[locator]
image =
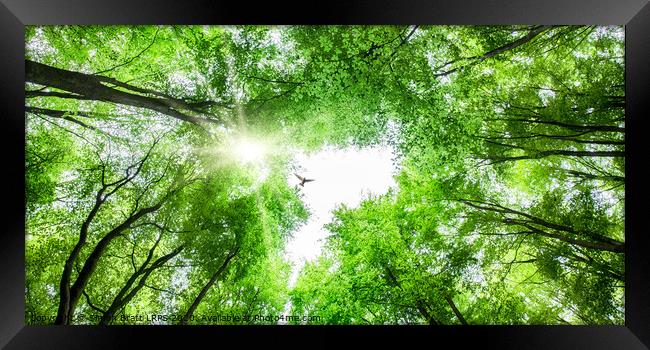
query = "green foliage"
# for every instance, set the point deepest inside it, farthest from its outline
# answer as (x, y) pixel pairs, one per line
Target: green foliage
(509, 205)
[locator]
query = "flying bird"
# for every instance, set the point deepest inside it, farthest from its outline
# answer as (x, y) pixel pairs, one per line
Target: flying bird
(303, 179)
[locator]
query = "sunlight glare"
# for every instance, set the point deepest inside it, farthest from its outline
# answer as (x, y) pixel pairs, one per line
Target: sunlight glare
(248, 151)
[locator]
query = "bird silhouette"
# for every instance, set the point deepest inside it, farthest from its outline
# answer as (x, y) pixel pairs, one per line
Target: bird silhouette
(303, 179)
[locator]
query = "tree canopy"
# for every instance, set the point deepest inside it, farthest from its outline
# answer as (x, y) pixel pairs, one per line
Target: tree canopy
(157, 160)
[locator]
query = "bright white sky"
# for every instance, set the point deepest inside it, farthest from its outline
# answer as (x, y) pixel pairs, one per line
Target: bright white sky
(341, 176)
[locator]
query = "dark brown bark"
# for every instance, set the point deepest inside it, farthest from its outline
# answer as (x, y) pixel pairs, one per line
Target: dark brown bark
(93, 87)
(190, 311)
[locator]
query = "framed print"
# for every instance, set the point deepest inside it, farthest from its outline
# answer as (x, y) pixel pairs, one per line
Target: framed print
(467, 172)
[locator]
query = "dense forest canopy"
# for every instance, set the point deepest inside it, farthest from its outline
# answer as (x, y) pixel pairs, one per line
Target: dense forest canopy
(158, 159)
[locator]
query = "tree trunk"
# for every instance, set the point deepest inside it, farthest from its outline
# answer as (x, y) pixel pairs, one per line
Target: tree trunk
(543, 154)
(506, 47)
(615, 248)
(63, 316)
(122, 298)
(188, 315)
(575, 127)
(419, 304)
(460, 317)
(92, 87)
(69, 302)
(66, 115)
(604, 243)
(589, 176)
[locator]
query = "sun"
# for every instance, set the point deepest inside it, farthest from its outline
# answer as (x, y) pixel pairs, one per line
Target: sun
(249, 151)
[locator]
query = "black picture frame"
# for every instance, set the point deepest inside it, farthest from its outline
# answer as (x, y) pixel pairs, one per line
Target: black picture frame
(15, 14)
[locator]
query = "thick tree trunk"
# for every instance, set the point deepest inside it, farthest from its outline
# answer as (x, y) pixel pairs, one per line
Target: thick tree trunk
(93, 87)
